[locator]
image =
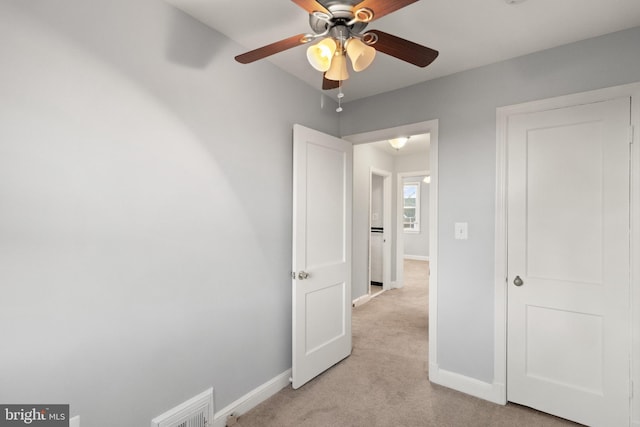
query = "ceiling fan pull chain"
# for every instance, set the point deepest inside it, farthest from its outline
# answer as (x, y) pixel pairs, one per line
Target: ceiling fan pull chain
(340, 96)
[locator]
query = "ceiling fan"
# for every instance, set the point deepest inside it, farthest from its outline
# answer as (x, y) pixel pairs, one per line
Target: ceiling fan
(340, 27)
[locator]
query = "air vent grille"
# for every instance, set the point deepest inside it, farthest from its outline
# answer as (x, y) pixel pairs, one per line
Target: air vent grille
(197, 420)
(196, 412)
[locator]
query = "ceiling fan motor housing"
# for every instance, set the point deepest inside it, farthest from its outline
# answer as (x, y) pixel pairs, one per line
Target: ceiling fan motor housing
(341, 14)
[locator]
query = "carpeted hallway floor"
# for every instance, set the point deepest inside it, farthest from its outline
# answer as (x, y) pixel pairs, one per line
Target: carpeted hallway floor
(385, 381)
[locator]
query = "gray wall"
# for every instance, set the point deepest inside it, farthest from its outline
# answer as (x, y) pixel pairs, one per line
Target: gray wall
(145, 209)
(465, 105)
(417, 244)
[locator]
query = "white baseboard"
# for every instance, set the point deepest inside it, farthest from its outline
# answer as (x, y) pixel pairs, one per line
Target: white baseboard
(417, 257)
(75, 421)
(495, 393)
(360, 300)
(252, 399)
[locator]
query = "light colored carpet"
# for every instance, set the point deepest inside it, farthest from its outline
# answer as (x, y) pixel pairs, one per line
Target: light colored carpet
(385, 381)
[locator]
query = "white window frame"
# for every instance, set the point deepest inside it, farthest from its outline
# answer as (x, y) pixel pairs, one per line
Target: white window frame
(416, 224)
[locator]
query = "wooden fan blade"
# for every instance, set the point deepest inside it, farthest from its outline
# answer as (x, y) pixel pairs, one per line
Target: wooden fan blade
(270, 49)
(383, 7)
(405, 50)
(311, 6)
(329, 84)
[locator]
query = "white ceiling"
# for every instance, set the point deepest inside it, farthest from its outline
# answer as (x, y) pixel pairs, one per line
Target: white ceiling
(467, 33)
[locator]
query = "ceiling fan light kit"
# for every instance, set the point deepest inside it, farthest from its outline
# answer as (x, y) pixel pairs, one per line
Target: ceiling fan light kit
(340, 27)
(338, 70)
(360, 54)
(320, 54)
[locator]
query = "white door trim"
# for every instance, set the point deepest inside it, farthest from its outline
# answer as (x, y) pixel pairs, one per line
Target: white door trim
(431, 127)
(500, 285)
(386, 224)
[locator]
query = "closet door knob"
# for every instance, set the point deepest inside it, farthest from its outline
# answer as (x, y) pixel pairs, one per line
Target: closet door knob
(518, 281)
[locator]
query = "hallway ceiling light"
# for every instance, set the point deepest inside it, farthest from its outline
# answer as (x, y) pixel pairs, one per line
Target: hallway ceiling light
(398, 143)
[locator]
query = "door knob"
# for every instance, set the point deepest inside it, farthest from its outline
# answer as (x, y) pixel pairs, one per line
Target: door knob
(518, 281)
(303, 275)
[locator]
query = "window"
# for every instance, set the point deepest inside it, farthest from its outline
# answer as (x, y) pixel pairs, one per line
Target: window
(411, 207)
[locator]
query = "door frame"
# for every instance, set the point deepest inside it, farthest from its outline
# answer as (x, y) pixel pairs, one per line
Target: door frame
(500, 284)
(386, 224)
(430, 127)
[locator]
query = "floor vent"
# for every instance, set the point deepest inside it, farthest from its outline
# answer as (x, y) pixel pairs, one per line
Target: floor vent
(195, 412)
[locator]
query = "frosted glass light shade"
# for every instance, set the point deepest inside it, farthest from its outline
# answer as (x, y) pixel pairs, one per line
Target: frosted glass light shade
(321, 54)
(338, 70)
(398, 143)
(360, 54)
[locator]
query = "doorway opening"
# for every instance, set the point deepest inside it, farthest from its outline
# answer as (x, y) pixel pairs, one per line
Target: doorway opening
(380, 235)
(425, 164)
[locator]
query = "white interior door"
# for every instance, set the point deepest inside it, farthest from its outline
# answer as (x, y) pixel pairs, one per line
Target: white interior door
(568, 350)
(322, 190)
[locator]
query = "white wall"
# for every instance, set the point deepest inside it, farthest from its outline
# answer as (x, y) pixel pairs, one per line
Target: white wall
(377, 201)
(465, 106)
(412, 162)
(145, 209)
